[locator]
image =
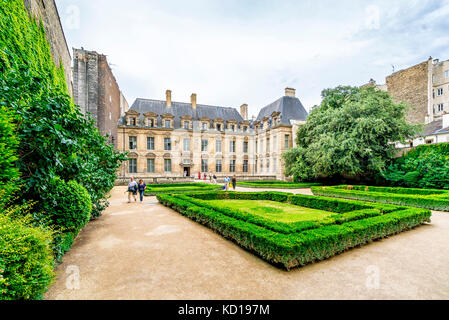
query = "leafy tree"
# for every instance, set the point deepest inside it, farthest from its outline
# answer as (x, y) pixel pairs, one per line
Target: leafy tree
(349, 134)
(427, 166)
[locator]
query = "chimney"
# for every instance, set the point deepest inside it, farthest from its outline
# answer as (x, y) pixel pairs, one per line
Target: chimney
(244, 112)
(445, 120)
(193, 100)
(290, 92)
(168, 98)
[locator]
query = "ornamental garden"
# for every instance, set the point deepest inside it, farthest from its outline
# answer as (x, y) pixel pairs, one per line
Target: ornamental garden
(56, 172)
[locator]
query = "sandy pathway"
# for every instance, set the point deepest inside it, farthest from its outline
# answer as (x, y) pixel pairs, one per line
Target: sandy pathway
(146, 251)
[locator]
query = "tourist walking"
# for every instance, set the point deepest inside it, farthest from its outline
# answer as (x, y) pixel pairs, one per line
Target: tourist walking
(199, 175)
(234, 182)
(214, 179)
(132, 190)
(142, 186)
(226, 181)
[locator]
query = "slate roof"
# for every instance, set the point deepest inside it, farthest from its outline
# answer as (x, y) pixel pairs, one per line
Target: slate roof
(289, 107)
(432, 128)
(180, 109)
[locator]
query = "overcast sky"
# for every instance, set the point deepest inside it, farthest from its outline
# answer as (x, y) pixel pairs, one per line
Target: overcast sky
(232, 52)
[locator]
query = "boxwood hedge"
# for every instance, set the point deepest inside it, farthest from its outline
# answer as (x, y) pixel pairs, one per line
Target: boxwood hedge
(277, 184)
(422, 198)
(155, 189)
(296, 244)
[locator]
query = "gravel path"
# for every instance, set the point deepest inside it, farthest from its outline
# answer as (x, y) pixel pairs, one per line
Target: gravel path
(147, 251)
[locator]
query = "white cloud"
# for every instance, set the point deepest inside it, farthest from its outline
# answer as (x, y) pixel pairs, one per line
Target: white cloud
(234, 52)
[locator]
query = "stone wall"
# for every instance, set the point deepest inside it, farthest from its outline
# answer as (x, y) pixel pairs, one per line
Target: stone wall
(411, 86)
(97, 92)
(47, 11)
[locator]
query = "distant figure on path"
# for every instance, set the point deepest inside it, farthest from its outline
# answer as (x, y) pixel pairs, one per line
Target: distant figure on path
(214, 179)
(199, 175)
(205, 176)
(142, 186)
(132, 190)
(226, 181)
(234, 182)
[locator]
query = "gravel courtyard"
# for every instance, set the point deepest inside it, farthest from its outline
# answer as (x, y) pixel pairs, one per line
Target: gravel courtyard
(147, 251)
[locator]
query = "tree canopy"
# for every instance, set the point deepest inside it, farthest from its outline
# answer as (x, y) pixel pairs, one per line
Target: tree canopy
(349, 134)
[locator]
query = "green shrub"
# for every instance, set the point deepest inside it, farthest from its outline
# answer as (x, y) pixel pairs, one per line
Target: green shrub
(26, 259)
(68, 204)
(155, 189)
(421, 198)
(277, 184)
(426, 166)
(294, 247)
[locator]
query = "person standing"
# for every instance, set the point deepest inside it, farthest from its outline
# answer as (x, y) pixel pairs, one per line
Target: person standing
(234, 182)
(132, 190)
(199, 175)
(142, 186)
(226, 180)
(214, 179)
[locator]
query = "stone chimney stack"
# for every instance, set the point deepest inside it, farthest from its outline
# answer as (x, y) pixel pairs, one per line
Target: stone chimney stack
(193, 100)
(290, 92)
(244, 112)
(168, 98)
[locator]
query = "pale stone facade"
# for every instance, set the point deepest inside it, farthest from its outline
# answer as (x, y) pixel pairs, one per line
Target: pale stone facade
(168, 139)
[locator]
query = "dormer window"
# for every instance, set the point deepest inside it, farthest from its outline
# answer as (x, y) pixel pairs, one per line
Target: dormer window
(245, 129)
(219, 127)
(204, 125)
(151, 123)
(186, 125)
(167, 124)
(233, 127)
(133, 121)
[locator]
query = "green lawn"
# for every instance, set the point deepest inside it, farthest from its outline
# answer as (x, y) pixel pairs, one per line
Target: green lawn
(275, 211)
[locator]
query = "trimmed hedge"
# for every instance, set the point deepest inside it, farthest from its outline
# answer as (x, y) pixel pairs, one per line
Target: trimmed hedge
(277, 184)
(433, 199)
(26, 259)
(155, 189)
(354, 223)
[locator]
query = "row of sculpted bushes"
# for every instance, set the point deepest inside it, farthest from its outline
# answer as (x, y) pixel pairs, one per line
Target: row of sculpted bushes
(53, 160)
(298, 249)
(429, 199)
(426, 166)
(156, 189)
(278, 184)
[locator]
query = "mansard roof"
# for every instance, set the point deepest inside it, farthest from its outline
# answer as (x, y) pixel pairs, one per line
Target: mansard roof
(180, 109)
(290, 108)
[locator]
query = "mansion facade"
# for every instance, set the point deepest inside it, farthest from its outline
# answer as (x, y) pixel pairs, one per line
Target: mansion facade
(166, 139)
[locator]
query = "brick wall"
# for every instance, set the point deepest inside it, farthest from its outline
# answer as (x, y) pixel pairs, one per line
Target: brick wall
(411, 86)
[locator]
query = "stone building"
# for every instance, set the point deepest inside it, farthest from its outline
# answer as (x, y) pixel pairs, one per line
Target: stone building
(425, 87)
(167, 139)
(96, 91)
(47, 11)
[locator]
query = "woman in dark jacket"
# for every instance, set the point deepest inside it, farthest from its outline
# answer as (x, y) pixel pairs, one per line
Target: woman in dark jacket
(141, 187)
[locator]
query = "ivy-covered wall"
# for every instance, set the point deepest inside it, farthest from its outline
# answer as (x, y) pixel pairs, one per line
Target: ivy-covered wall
(23, 44)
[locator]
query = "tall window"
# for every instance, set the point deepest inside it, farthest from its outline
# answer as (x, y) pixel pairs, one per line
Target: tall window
(232, 166)
(167, 123)
(245, 166)
(204, 144)
(440, 107)
(287, 141)
(150, 143)
(167, 165)
(275, 143)
(268, 144)
(232, 146)
(218, 166)
(275, 165)
(186, 145)
(132, 165)
(255, 167)
(257, 146)
(150, 165)
(218, 146)
(440, 92)
(446, 74)
(245, 146)
(186, 125)
(167, 144)
(204, 165)
(268, 165)
(132, 143)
